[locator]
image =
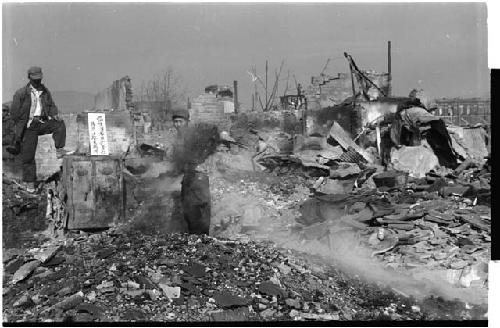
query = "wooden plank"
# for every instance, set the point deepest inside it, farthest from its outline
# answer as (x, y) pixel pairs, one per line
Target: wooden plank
(108, 191)
(82, 194)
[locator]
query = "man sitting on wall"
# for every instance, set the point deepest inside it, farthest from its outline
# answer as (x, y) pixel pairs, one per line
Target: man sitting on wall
(34, 113)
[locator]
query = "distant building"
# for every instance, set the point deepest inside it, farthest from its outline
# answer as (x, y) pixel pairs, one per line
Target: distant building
(463, 112)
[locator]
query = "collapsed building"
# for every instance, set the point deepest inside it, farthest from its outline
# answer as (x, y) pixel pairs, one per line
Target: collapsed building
(358, 164)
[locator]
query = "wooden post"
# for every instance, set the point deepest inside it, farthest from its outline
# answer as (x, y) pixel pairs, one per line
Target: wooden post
(266, 86)
(352, 78)
(378, 138)
(389, 68)
(353, 88)
(235, 98)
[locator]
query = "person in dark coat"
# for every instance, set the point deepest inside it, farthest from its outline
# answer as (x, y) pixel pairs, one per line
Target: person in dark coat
(191, 148)
(34, 113)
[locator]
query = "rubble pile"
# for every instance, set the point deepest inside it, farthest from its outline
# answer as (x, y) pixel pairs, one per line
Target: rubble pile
(414, 217)
(23, 214)
(116, 277)
(438, 224)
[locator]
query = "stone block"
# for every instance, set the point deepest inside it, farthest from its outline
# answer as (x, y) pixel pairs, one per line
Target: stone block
(417, 161)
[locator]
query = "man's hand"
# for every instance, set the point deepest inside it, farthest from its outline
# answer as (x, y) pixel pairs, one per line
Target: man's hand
(55, 117)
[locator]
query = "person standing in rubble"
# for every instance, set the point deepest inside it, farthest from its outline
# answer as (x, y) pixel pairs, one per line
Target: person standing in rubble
(195, 188)
(34, 113)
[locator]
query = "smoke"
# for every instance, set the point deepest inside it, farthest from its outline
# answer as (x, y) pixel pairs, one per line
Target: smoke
(198, 143)
(251, 210)
(344, 251)
(340, 248)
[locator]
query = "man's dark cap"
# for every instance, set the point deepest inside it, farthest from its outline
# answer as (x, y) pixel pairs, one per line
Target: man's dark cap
(35, 73)
(180, 113)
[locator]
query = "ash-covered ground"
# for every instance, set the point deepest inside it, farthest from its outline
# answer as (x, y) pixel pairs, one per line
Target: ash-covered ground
(259, 264)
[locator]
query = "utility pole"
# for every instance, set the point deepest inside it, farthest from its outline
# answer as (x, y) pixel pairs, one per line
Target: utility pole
(266, 86)
(235, 97)
(389, 91)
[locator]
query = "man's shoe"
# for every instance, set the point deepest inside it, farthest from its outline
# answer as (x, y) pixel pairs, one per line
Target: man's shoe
(61, 152)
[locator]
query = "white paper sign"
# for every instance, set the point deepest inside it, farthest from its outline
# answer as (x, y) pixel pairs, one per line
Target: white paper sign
(97, 133)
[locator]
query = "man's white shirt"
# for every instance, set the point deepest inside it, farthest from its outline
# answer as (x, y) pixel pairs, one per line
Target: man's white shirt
(36, 104)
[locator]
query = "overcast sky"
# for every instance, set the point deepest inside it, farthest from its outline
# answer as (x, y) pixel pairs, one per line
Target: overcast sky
(441, 48)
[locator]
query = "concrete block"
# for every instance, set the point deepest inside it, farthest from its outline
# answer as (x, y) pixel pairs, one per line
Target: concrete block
(417, 161)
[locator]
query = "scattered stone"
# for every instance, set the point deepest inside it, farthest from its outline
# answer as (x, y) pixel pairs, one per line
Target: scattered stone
(24, 271)
(91, 296)
(14, 265)
(268, 313)
(196, 269)
(24, 302)
(294, 303)
(239, 314)
(390, 179)
(47, 254)
(70, 302)
(269, 288)
(417, 160)
(228, 300)
(105, 253)
(170, 292)
(459, 265)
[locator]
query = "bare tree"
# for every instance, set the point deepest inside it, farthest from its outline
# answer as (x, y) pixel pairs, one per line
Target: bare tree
(166, 86)
(269, 97)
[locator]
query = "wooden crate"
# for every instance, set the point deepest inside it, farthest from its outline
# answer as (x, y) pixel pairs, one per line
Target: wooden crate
(94, 189)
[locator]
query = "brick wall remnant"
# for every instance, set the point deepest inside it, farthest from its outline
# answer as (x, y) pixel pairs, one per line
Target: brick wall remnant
(117, 97)
(329, 90)
(208, 108)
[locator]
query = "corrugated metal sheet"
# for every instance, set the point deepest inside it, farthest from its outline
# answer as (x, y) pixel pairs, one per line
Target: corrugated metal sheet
(352, 156)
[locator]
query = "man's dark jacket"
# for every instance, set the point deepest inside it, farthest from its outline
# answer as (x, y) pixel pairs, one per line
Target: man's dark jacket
(21, 105)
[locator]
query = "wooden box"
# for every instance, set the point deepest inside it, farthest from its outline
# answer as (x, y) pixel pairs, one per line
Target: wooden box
(94, 189)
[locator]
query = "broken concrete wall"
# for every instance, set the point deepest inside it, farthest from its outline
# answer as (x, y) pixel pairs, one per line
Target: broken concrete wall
(117, 97)
(120, 132)
(333, 90)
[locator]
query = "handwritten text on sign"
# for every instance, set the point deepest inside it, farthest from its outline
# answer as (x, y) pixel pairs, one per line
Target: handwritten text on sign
(97, 134)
